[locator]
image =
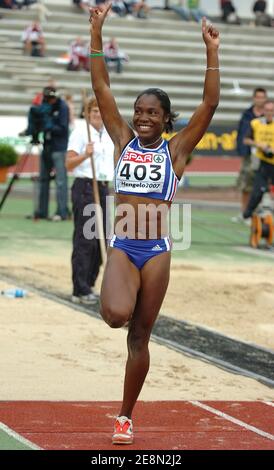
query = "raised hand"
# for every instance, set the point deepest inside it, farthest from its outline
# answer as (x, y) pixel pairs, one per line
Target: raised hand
(210, 35)
(98, 15)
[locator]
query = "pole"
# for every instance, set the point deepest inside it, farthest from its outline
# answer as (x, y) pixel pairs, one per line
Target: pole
(99, 218)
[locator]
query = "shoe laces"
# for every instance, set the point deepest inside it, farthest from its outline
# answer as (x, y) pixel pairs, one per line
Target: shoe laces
(123, 424)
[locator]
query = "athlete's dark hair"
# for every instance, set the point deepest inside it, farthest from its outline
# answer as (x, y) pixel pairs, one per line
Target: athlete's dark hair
(165, 103)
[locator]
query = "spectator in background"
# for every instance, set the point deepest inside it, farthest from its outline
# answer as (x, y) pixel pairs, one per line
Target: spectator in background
(113, 55)
(38, 98)
(86, 257)
(196, 12)
(36, 101)
(16, 4)
(189, 10)
(9, 4)
(118, 7)
(229, 14)
(259, 7)
(25, 3)
(261, 17)
(79, 55)
(261, 138)
(82, 5)
(140, 9)
(55, 126)
(246, 176)
(129, 4)
(34, 43)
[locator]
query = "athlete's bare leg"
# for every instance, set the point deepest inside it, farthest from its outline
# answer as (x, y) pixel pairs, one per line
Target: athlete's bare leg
(120, 286)
(154, 282)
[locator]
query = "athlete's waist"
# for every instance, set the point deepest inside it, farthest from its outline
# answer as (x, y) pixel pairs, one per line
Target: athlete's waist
(140, 241)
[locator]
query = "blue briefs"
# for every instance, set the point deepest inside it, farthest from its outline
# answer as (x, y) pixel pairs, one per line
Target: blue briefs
(140, 251)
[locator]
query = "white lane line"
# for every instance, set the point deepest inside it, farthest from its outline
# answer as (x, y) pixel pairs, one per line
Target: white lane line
(233, 420)
(21, 439)
(269, 403)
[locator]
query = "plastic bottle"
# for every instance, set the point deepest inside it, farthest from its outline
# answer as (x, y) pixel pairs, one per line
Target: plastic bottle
(14, 293)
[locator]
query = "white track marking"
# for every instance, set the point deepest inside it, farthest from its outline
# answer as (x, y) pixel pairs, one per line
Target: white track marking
(233, 420)
(21, 439)
(269, 403)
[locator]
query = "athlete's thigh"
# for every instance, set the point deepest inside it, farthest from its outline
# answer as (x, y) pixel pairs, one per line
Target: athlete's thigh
(154, 283)
(121, 282)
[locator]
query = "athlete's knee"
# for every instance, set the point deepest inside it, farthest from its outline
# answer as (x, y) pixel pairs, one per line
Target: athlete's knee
(138, 341)
(115, 318)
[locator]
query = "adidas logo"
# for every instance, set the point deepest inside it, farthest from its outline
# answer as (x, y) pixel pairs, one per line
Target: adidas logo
(156, 248)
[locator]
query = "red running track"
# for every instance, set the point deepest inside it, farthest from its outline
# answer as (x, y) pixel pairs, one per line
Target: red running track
(163, 425)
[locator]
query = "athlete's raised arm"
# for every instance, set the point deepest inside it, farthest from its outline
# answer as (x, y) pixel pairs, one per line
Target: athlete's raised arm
(117, 127)
(185, 141)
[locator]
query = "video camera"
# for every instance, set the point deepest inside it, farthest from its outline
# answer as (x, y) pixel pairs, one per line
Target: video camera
(40, 117)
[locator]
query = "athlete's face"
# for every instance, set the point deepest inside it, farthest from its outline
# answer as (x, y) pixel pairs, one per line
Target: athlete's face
(149, 118)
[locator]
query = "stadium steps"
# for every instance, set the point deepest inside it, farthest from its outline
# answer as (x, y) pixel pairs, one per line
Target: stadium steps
(164, 52)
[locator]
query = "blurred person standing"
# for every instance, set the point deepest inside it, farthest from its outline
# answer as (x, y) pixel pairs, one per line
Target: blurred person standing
(53, 115)
(86, 258)
(261, 137)
(246, 176)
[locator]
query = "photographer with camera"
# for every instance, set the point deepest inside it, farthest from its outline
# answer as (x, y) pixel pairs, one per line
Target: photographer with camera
(261, 138)
(51, 118)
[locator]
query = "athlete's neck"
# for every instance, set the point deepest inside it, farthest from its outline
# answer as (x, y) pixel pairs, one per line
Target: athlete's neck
(149, 144)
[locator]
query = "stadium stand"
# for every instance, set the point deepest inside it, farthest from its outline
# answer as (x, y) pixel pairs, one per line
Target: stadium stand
(163, 51)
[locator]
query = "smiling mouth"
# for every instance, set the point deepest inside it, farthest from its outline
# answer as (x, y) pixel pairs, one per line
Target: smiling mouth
(144, 128)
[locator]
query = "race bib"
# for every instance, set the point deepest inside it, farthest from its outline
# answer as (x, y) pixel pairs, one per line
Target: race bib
(141, 172)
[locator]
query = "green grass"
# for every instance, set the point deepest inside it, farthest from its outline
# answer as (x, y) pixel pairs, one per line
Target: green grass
(194, 181)
(19, 234)
(214, 236)
(204, 180)
(10, 443)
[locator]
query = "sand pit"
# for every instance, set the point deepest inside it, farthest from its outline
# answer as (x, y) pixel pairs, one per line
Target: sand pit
(52, 352)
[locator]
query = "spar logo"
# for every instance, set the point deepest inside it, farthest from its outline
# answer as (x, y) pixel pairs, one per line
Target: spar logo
(158, 158)
(131, 156)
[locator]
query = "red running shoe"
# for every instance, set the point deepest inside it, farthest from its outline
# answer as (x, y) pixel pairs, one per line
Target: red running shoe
(123, 431)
